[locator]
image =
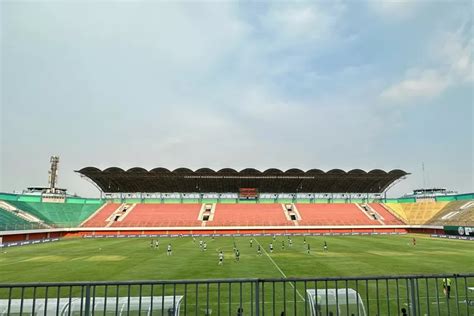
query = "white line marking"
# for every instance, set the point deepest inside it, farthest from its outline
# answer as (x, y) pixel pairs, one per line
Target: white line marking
(282, 273)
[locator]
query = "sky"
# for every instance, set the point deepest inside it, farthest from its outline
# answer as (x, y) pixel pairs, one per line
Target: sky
(325, 85)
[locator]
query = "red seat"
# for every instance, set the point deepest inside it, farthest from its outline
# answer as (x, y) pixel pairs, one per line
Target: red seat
(163, 215)
(249, 215)
(388, 218)
(100, 219)
(332, 215)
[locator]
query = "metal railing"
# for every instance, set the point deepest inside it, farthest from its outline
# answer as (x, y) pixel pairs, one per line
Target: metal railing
(382, 295)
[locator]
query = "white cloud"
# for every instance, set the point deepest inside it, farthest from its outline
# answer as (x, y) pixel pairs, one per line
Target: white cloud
(297, 22)
(187, 84)
(451, 59)
(394, 10)
(303, 22)
(417, 83)
(454, 49)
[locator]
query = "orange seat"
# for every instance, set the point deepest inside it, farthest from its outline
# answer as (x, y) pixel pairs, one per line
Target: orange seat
(332, 215)
(249, 215)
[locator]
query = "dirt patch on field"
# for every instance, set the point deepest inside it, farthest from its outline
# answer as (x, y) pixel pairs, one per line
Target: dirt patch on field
(47, 259)
(105, 258)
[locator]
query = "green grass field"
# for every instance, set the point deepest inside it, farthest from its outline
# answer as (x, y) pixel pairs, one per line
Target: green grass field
(134, 259)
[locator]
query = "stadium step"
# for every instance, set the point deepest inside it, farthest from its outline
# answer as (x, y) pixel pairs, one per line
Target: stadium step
(291, 212)
(120, 214)
(206, 213)
(22, 214)
(370, 213)
(93, 214)
(467, 205)
(392, 212)
(295, 210)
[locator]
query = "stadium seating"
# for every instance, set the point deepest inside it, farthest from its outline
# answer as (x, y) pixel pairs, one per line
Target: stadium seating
(333, 215)
(10, 221)
(58, 214)
(135, 214)
(397, 208)
(161, 215)
(417, 213)
(249, 215)
(100, 218)
(388, 217)
(457, 213)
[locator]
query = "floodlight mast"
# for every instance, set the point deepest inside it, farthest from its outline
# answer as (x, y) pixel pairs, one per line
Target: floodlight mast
(53, 173)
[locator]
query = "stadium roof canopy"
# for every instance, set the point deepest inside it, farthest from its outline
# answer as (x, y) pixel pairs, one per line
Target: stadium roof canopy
(205, 180)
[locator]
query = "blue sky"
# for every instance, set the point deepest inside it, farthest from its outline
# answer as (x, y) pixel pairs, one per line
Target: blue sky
(226, 84)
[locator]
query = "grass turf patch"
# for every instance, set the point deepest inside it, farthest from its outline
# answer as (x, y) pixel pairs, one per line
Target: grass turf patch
(134, 259)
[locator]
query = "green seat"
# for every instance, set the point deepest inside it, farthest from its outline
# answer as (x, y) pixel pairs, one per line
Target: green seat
(58, 214)
(9, 221)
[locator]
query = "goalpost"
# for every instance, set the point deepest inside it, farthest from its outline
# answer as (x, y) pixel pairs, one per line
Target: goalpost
(147, 305)
(343, 302)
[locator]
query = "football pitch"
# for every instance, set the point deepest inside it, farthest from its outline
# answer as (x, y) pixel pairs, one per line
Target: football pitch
(124, 259)
(115, 259)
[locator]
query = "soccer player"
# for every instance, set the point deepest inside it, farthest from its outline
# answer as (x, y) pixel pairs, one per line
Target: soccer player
(157, 244)
(169, 251)
(237, 255)
(251, 242)
(271, 248)
(259, 251)
(304, 240)
(221, 258)
(447, 287)
(325, 247)
(204, 246)
(200, 244)
(152, 243)
(282, 244)
(414, 241)
(308, 248)
(290, 242)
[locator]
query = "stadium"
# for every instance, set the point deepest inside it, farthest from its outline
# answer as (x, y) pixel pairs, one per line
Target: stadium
(211, 242)
(239, 158)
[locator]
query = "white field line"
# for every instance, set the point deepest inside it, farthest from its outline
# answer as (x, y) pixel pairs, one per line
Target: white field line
(278, 268)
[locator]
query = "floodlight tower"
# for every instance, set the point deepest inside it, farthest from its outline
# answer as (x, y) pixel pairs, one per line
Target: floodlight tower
(53, 173)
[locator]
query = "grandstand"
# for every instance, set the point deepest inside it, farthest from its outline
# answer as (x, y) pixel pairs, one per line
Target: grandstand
(20, 215)
(387, 217)
(100, 218)
(233, 206)
(157, 215)
(207, 200)
(454, 213)
(57, 214)
(12, 220)
(334, 215)
(417, 213)
(249, 215)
